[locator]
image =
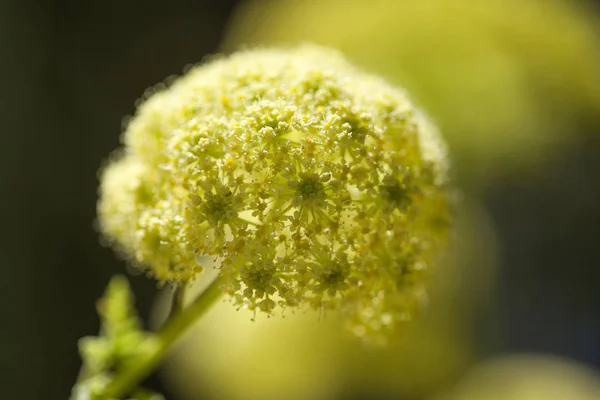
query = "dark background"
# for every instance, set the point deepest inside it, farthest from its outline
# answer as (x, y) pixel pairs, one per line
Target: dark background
(71, 70)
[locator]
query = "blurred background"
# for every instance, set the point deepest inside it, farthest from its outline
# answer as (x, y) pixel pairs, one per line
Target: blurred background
(514, 86)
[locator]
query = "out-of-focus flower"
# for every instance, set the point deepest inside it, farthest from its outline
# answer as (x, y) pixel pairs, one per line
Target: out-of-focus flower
(528, 377)
(308, 181)
(506, 80)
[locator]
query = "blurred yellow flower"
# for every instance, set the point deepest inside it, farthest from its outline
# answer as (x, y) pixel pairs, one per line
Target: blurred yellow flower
(528, 377)
(505, 80)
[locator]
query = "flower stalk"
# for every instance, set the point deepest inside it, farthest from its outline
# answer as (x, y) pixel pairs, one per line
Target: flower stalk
(174, 328)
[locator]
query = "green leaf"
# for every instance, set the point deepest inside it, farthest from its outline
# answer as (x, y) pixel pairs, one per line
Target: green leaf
(121, 343)
(93, 389)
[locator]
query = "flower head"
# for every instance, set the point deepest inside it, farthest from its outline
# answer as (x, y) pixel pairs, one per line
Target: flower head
(312, 182)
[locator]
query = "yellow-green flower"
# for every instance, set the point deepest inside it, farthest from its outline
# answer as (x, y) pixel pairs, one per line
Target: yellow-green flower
(311, 182)
(509, 82)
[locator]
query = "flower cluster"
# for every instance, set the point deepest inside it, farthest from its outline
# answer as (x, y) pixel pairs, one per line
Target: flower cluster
(311, 182)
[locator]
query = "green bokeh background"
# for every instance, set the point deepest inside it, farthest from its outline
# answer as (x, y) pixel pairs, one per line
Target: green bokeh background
(70, 72)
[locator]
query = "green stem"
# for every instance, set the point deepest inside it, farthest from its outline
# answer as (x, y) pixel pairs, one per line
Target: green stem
(175, 327)
(178, 300)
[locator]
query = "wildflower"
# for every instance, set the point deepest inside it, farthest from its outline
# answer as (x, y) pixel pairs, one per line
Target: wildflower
(310, 181)
(479, 79)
